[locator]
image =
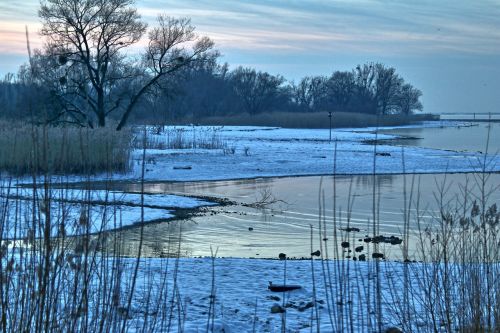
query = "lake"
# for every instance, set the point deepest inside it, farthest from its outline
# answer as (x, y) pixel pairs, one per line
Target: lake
(281, 223)
(470, 138)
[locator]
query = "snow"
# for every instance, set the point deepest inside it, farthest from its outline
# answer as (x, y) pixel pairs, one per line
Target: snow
(83, 211)
(242, 298)
(275, 152)
(117, 197)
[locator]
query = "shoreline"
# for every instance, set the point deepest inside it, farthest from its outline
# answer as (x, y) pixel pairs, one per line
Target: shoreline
(134, 181)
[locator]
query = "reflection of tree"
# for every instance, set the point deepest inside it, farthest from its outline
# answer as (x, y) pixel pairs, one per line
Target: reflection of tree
(265, 199)
(163, 239)
(366, 181)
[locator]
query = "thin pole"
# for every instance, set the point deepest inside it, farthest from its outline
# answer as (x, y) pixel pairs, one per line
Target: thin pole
(330, 117)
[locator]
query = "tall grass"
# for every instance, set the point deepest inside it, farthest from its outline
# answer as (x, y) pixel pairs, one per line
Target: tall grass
(25, 149)
(182, 137)
(444, 280)
(56, 275)
(313, 120)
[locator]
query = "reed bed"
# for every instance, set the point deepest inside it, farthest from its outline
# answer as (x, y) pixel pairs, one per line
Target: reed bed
(182, 137)
(25, 149)
(313, 120)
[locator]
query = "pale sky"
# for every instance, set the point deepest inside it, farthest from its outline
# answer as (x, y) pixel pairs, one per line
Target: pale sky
(448, 49)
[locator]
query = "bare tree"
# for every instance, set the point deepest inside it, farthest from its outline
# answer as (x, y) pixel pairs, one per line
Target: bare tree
(310, 92)
(257, 90)
(88, 38)
(365, 78)
(387, 86)
(166, 53)
(408, 99)
(341, 88)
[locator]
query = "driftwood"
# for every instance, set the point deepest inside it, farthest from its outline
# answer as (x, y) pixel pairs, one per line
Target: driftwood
(187, 167)
(282, 287)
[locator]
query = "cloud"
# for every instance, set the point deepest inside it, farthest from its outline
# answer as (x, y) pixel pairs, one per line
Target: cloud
(367, 26)
(370, 27)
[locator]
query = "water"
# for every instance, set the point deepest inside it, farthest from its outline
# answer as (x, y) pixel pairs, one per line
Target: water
(284, 226)
(471, 116)
(241, 230)
(459, 138)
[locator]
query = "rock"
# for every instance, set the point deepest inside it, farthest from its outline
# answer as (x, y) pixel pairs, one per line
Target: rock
(183, 167)
(350, 229)
(316, 253)
(362, 257)
(282, 256)
(306, 306)
(282, 287)
(276, 308)
(396, 240)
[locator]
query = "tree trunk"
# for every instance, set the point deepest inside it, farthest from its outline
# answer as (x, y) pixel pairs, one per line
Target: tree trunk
(101, 114)
(134, 100)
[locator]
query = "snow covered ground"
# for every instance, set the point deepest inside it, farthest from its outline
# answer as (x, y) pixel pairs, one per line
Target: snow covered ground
(91, 211)
(268, 152)
(343, 292)
(342, 299)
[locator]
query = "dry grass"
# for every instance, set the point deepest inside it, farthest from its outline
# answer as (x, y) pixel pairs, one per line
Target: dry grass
(171, 137)
(312, 120)
(28, 149)
(52, 282)
(447, 277)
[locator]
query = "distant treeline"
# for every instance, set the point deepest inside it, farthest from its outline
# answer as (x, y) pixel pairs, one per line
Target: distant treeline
(209, 89)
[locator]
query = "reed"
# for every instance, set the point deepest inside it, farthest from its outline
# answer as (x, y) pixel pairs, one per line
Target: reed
(25, 149)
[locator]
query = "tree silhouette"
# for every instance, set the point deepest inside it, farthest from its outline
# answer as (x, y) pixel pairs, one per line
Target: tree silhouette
(88, 38)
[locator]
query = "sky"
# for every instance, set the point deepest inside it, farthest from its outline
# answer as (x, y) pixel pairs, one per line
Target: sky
(448, 49)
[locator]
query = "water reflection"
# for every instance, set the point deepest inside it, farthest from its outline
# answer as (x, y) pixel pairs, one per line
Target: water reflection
(241, 230)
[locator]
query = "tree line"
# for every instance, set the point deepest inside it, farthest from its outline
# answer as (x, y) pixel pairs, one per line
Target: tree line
(84, 77)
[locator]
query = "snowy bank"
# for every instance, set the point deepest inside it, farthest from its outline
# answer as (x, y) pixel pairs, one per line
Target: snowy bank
(251, 152)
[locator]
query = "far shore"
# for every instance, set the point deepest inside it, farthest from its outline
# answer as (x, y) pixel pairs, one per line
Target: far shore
(312, 120)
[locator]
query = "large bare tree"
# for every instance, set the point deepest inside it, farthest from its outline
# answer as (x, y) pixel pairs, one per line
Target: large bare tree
(408, 99)
(341, 87)
(88, 39)
(257, 90)
(310, 92)
(387, 86)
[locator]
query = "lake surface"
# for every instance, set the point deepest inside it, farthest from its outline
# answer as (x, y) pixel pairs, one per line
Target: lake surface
(284, 226)
(458, 138)
(243, 230)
